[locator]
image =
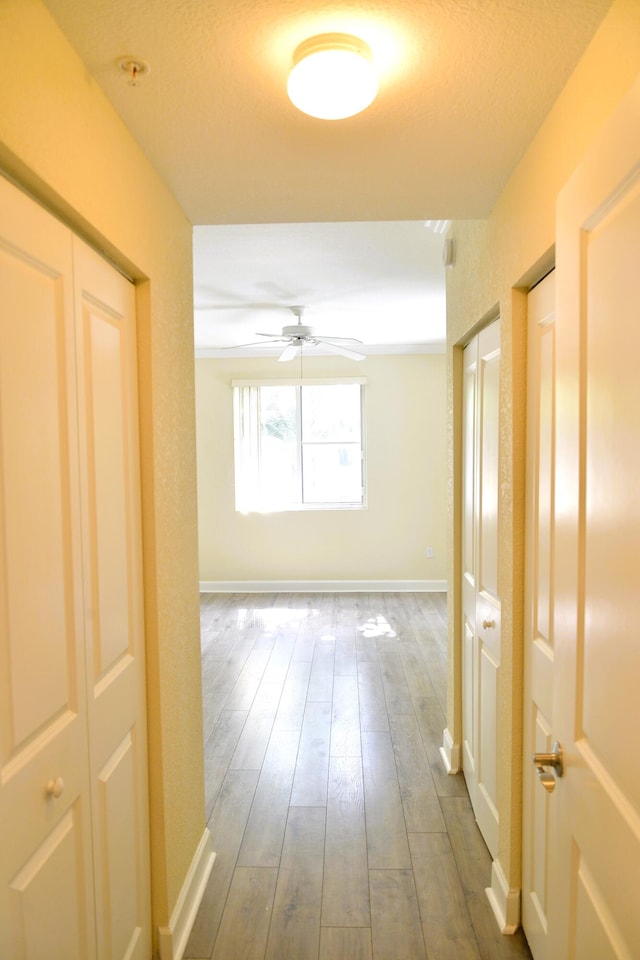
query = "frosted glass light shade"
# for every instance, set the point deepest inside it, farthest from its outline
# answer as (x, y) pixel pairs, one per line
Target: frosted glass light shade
(332, 77)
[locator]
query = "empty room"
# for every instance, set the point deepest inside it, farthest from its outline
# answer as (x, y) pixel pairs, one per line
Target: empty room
(318, 446)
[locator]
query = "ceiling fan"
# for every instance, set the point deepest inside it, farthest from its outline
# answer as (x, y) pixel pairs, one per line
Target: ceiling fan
(298, 335)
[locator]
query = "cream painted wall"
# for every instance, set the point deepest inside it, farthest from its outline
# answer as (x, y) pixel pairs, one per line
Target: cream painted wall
(407, 487)
(60, 138)
(496, 260)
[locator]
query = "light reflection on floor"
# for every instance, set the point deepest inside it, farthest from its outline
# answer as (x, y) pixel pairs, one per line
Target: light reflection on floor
(271, 617)
(377, 627)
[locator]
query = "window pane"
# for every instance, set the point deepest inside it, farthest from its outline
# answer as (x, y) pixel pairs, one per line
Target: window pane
(331, 473)
(331, 412)
(279, 483)
(273, 445)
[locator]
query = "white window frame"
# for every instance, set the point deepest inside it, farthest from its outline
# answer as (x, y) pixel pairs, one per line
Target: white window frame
(246, 440)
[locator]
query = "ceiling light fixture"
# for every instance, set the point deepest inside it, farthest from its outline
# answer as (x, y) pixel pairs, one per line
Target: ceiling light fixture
(333, 76)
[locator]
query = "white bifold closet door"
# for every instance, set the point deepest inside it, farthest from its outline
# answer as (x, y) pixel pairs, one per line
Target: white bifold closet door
(480, 599)
(74, 858)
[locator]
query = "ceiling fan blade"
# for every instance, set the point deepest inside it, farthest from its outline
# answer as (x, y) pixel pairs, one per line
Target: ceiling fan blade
(289, 352)
(343, 351)
(341, 339)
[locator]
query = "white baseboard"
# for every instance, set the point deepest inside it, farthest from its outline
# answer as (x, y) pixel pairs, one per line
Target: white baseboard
(505, 902)
(323, 586)
(172, 940)
(450, 754)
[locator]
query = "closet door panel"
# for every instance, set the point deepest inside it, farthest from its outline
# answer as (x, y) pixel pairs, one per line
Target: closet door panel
(480, 602)
(117, 815)
(107, 490)
(45, 911)
(44, 786)
(470, 663)
(36, 497)
(105, 315)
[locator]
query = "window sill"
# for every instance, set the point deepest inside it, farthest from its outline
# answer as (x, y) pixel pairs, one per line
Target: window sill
(305, 508)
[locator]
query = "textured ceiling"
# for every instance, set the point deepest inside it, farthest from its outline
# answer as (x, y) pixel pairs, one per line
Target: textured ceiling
(464, 85)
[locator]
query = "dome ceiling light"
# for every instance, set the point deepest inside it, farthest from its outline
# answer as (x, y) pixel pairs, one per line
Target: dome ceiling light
(333, 76)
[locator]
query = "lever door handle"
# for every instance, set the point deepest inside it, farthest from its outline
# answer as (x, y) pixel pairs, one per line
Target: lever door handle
(555, 759)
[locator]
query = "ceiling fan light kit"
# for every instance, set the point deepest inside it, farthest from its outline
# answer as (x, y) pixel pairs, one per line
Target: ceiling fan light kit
(333, 76)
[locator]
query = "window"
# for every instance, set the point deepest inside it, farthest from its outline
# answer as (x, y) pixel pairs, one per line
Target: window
(298, 446)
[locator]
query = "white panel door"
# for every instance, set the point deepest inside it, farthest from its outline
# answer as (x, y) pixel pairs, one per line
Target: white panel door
(74, 858)
(108, 417)
(594, 886)
(46, 894)
(538, 638)
(469, 563)
(481, 604)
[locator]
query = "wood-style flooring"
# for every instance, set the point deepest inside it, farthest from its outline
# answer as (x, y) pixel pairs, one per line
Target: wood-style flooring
(338, 834)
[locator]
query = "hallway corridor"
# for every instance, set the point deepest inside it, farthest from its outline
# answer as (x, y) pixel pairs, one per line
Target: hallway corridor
(338, 834)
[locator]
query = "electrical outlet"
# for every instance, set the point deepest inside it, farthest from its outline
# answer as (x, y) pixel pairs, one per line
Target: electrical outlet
(429, 553)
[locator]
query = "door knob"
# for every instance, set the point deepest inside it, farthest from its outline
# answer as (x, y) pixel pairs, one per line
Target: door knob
(55, 787)
(488, 624)
(555, 760)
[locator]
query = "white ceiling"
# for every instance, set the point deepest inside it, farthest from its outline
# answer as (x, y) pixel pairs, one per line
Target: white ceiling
(381, 283)
(464, 85)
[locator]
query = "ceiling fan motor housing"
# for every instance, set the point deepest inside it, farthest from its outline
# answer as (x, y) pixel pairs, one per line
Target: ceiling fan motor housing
(297, 330)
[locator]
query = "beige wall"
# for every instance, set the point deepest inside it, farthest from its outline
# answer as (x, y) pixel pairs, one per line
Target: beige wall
(406, 467)
(60, 138)
(496, 261)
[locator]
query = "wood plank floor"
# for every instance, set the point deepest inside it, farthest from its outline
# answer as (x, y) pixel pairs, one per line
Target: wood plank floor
(338, 834)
